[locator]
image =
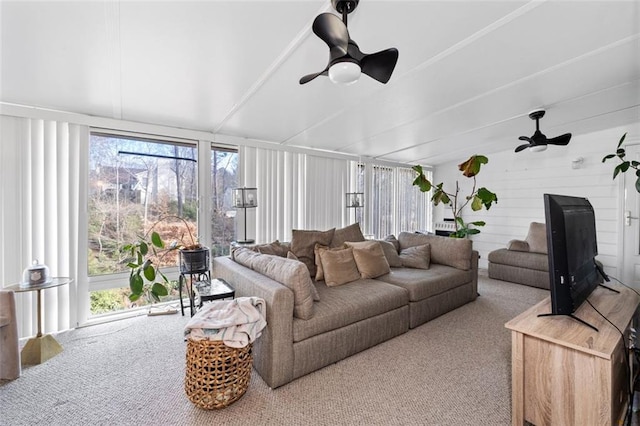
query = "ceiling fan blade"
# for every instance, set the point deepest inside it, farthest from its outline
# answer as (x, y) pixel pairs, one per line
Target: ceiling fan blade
(380, 65)
(560, 140)
(526, 138)
(521, 147)
(307, 78)
(332, 31)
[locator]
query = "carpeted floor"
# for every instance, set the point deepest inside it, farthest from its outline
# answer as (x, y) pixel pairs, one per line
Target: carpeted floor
(454, 370)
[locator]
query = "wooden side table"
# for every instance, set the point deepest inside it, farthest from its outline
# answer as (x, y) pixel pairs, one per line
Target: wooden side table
(42, 347)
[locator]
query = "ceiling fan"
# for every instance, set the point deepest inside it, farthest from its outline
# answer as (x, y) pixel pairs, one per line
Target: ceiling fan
(538, 142)
(346, 61)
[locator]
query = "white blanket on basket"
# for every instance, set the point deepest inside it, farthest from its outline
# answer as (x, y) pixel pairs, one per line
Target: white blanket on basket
(236, 322)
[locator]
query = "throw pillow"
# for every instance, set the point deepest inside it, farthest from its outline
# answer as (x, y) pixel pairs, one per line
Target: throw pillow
(275, 248)
(392, 239)
(455, 252)
(348, 233)
(318, 248)
(390, 253)
(293, 275)
(418, 257)
(314, 290)
(339, 267)
(370, 258)
(303, 243)
(537, 237)
(518, 245)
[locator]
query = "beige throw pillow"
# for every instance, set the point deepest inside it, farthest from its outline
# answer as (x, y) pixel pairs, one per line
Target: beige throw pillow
(319, 248)
(537, 238)
(275, 248)
(391, 254)
(339, 267)
(370, 258)
(393, 240)
(418, 257)
(348, 233)
(303, 243)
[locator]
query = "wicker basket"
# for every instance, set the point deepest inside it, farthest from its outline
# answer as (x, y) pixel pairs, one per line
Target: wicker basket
(216, 374)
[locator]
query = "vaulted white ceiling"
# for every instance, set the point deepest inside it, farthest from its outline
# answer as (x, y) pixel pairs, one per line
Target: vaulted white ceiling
(468, 71)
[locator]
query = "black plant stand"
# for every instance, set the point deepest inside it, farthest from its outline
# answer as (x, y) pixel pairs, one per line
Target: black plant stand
(194, 268)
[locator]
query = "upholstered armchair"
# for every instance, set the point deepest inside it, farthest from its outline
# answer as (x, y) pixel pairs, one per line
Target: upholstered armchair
(523, 261)
(9, 348)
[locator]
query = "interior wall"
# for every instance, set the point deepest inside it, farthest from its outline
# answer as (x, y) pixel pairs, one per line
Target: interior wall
(520, 180)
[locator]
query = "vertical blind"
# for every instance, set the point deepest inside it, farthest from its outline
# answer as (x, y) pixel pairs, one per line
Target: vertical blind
(39, 218)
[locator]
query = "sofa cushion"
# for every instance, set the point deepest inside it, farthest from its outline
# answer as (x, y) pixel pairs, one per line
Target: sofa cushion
(244, 256)
(448, 251)
(390, 253)
(293, 275)
(527, 260)
(339, 266)
(317, 250)
(417, 257)
(537, 238)
(348, 233)
(275, 248)
(303, 242)
(423, 284)
(370, 258)
(314, 292)
(349, 304)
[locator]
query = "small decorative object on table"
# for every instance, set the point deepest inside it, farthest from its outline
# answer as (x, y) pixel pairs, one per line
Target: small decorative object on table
(219, 359)
(35, 274)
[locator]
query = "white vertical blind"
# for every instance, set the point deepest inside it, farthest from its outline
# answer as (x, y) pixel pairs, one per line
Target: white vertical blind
(295, 191)
(40, 207)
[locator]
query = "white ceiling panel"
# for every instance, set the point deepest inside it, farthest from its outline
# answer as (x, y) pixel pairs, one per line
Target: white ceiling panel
(468, 73)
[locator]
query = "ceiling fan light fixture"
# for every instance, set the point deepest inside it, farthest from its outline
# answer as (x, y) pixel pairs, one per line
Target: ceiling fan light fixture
(538, 148)
(345, 72)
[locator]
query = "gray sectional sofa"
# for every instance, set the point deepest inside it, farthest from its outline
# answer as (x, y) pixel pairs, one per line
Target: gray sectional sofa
(313, 323)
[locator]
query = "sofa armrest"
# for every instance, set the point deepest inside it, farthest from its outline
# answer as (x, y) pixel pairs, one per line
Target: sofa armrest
(273, 351)
(474, 271)
(518, 245)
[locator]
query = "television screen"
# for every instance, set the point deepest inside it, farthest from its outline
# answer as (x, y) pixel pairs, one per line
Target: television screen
(572, 248)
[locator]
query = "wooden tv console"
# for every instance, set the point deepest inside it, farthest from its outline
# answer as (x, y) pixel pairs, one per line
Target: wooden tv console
(565, 373)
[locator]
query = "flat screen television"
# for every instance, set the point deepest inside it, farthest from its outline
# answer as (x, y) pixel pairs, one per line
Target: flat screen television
(572, 248)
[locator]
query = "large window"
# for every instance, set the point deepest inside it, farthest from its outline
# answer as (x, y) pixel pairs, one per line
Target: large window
(224, 166)
(140, 184)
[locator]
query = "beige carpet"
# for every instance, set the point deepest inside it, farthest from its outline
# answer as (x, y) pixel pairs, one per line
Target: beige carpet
(454, 370)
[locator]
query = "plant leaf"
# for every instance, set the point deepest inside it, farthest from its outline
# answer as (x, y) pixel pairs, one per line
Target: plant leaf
(156, 240)
(159, 289)
(136, 284)
(622, 140)
(607, 157)
(479, 223)
(133, 297)
(150, 273)
(144, 248)
(638, 184)
(624, 166)
(476, 204)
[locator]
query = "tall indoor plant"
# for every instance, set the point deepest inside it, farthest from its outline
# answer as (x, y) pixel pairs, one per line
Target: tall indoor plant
(478, 198)
(624, 164)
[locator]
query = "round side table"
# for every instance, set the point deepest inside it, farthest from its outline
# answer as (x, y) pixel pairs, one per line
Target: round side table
(42, 347)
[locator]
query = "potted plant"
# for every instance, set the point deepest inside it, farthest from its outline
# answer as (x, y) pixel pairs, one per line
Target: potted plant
(624, 165)
(145, 277)
(478, 198)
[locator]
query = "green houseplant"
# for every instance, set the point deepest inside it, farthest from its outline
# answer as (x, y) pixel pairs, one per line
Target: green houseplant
(624, 164)
(478, 198)
(146, 255)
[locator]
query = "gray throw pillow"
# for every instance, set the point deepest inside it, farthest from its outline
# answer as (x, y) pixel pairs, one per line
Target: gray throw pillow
(303, 243)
